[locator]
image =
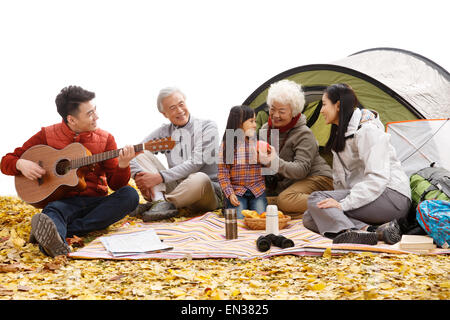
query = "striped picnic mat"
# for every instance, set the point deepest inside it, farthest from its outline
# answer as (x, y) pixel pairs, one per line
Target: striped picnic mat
(204, 237)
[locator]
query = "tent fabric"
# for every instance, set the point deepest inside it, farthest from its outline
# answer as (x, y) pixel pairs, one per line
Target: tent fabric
(372, 94)
(420, 143)
(398, 84)
(420, 81)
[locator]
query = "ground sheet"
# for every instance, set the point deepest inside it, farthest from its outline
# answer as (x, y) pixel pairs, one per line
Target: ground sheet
(204, 237)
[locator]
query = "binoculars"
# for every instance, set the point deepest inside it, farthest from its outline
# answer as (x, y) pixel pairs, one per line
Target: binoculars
(263, 243)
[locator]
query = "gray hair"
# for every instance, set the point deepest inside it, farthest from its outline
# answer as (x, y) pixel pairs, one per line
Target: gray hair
(287, 92)
(164, 93)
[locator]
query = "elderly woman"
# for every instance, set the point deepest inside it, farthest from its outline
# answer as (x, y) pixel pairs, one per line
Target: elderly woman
(301, 170)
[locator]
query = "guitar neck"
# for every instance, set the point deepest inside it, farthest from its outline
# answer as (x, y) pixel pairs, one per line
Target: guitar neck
(153, 146)
(99, 157)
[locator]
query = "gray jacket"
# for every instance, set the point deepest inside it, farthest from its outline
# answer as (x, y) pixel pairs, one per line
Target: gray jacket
(368, 164)
(195, 151)
(299, 156)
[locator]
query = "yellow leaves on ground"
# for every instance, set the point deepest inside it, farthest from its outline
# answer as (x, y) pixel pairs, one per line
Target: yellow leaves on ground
(27, 274)
(327, 253)
(318, 286)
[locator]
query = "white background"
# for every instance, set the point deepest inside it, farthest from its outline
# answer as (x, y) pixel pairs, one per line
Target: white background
(217, 52)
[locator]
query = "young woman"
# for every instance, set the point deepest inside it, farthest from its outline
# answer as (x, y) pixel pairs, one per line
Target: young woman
(239, 172)
(370, 186)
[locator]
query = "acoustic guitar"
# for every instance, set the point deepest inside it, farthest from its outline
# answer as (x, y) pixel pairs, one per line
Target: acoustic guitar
(66, 168)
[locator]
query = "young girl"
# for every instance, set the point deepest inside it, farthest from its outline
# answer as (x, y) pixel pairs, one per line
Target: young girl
(239, 172)
(370, 186)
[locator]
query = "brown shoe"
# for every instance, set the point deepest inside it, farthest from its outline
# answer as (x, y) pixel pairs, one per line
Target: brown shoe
(44, 231)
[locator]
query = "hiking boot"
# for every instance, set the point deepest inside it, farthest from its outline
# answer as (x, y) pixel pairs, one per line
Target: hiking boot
(141, 208)
(159, 211)
(356, 236)
(44, 232)
(389, 232)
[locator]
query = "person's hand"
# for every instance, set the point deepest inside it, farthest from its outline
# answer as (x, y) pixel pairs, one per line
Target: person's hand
(30, 169)
(266, 158)
(148, 194)
(145, 181)
(234, 200)
(329, 203)
(125, 155)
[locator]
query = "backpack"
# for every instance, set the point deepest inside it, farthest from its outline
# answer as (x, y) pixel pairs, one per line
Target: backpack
(434, 217)
(430, 183)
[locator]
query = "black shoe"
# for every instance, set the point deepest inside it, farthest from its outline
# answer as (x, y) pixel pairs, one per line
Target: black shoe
(159, 211)
(389, 232)
(141, 208)
(356, 236)
(44, 231)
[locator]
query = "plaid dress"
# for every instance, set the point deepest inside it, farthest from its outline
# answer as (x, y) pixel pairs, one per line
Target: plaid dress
(243, 174)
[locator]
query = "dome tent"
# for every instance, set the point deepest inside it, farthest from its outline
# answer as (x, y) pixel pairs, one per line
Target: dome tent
(400, 85)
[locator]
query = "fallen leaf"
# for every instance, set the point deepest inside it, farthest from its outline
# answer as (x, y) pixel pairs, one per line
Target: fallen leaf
(9, 267)
(23, 288)
(56, 264)
(207, 291)
(75, 242)
(118, 277)
(235, 292)
(318, 286)
(370, 294)
(327, 253)
(6, 292)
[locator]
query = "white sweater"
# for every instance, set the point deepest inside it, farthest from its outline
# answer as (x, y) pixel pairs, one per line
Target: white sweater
(368, 164)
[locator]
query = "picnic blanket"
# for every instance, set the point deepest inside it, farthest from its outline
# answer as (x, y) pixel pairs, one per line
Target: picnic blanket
(204, 237)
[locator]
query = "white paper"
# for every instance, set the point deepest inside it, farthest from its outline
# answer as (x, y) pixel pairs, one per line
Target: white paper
(133, 243)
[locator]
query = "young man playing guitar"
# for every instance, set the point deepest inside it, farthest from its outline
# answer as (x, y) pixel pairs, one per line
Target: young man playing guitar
(78, 211)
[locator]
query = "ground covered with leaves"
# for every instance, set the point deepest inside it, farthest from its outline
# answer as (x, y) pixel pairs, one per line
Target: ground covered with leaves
(25, 273)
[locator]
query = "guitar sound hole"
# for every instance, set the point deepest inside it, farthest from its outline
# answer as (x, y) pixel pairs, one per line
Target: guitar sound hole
(62, 167)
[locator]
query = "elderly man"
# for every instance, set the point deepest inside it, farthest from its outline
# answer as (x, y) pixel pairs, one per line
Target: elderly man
(191, 180)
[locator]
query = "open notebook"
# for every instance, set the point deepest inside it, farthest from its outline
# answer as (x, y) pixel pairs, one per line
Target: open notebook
(133, 243)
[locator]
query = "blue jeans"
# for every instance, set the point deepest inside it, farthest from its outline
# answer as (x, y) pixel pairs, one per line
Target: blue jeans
(249, 202)
(81, 215)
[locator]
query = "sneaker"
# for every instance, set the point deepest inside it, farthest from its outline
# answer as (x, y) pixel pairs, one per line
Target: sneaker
(389, 232)
(142, 207)
(356, 236)
(44, 232)
(159, 211)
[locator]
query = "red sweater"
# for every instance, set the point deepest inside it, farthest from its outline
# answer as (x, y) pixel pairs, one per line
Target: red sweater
(106, 173)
